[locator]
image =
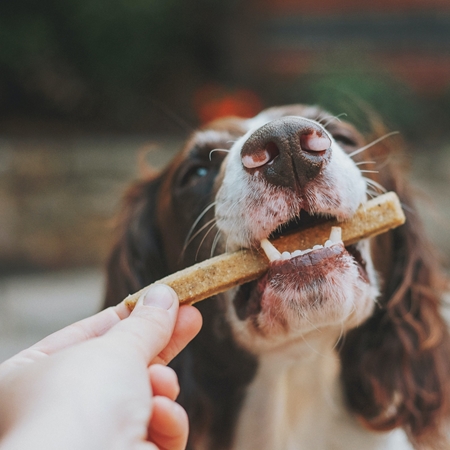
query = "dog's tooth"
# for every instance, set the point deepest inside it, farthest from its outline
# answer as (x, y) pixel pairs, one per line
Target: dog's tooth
(271, 252)
(336, 235)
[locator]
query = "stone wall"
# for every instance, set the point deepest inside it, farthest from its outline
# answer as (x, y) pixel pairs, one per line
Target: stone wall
(58, 197)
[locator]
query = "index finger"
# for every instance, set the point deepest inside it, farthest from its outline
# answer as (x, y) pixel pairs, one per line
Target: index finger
(78, 332)
(149, 327)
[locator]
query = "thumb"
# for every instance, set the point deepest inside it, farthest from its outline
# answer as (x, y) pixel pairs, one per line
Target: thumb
(150, 326)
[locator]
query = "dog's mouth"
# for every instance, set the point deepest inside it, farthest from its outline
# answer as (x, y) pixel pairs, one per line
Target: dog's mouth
(277, 258)
(300, 222)
(303, 221)
(315, 260)
(302, 270)
(315, 255)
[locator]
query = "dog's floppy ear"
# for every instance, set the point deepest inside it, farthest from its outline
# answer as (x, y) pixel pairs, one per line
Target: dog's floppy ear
(137, 258)
(396, 366)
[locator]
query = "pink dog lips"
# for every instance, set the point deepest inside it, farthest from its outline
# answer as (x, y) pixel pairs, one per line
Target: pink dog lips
(223, 272)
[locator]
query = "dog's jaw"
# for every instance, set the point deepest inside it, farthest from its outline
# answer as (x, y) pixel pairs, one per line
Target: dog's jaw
(293, 302)
(295, 297)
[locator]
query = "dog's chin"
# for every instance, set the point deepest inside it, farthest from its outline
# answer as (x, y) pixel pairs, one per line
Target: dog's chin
(326, 288)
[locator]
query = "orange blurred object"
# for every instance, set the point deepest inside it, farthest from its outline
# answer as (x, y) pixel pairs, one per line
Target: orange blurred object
(214, 101)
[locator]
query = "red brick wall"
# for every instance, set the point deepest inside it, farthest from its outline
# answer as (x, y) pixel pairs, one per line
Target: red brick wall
(424, 65)
(344, 6)
(424, 73)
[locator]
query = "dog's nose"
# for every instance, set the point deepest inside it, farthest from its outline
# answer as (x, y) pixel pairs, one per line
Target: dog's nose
(289, 151)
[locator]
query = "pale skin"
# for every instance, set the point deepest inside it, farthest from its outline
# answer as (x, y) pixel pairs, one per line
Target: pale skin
(101, 383)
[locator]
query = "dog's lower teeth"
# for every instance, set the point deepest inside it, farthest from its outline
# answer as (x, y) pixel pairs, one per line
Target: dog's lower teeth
(273, 254)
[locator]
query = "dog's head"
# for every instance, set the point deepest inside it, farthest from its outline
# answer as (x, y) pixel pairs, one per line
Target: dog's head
(239, 181)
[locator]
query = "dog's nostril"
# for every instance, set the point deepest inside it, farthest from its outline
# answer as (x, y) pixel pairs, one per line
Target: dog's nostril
(314, 142)
(273, 150)
(260, 157)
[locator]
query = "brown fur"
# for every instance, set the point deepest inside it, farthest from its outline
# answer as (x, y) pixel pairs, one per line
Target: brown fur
(402, 353)
(395, 366)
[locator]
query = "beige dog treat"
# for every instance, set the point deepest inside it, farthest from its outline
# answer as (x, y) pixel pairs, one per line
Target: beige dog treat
(223, 272)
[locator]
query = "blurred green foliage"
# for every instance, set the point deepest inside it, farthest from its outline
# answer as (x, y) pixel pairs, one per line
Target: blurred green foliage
(95, 59)
(350, 83)
(108, 48)
(94, 34)
(359, 88)
(357, 94)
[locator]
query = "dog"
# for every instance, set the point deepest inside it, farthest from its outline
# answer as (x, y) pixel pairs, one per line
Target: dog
(334, 348)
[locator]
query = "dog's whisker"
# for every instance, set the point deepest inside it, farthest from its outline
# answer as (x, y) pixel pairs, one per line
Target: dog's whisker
(408, 208)
(372, 194)
(188, 239)
(312, 348)
(172, 115)
(235, 223)
(334, 118)
(369, 171)
(215, 242)
(205, 236)
(341, 332)
(371, 187)
(376, 141)
(321, 117)
(199, 231)
(374, 184)
(218, 150)
(305, 317)
(228, 213)
(380, 162)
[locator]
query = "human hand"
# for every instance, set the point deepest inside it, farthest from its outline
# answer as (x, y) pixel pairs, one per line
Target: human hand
(99, 383)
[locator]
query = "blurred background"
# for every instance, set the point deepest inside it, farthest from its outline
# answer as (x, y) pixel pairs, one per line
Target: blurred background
(89, 89)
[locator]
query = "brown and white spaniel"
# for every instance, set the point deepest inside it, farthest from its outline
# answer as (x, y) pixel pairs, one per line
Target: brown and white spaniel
(336, 348)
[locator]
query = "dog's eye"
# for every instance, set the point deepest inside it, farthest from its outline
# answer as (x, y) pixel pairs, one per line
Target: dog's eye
(344, 140)
(194, 173)
(201, 172)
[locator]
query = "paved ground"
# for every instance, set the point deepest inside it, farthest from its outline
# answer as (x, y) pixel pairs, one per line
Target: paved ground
(32, 306)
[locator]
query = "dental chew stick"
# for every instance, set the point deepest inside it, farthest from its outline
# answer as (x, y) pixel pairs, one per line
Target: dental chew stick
(223, 272)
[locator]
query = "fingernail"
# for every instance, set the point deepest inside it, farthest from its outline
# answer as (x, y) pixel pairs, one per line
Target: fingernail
(159, 296)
